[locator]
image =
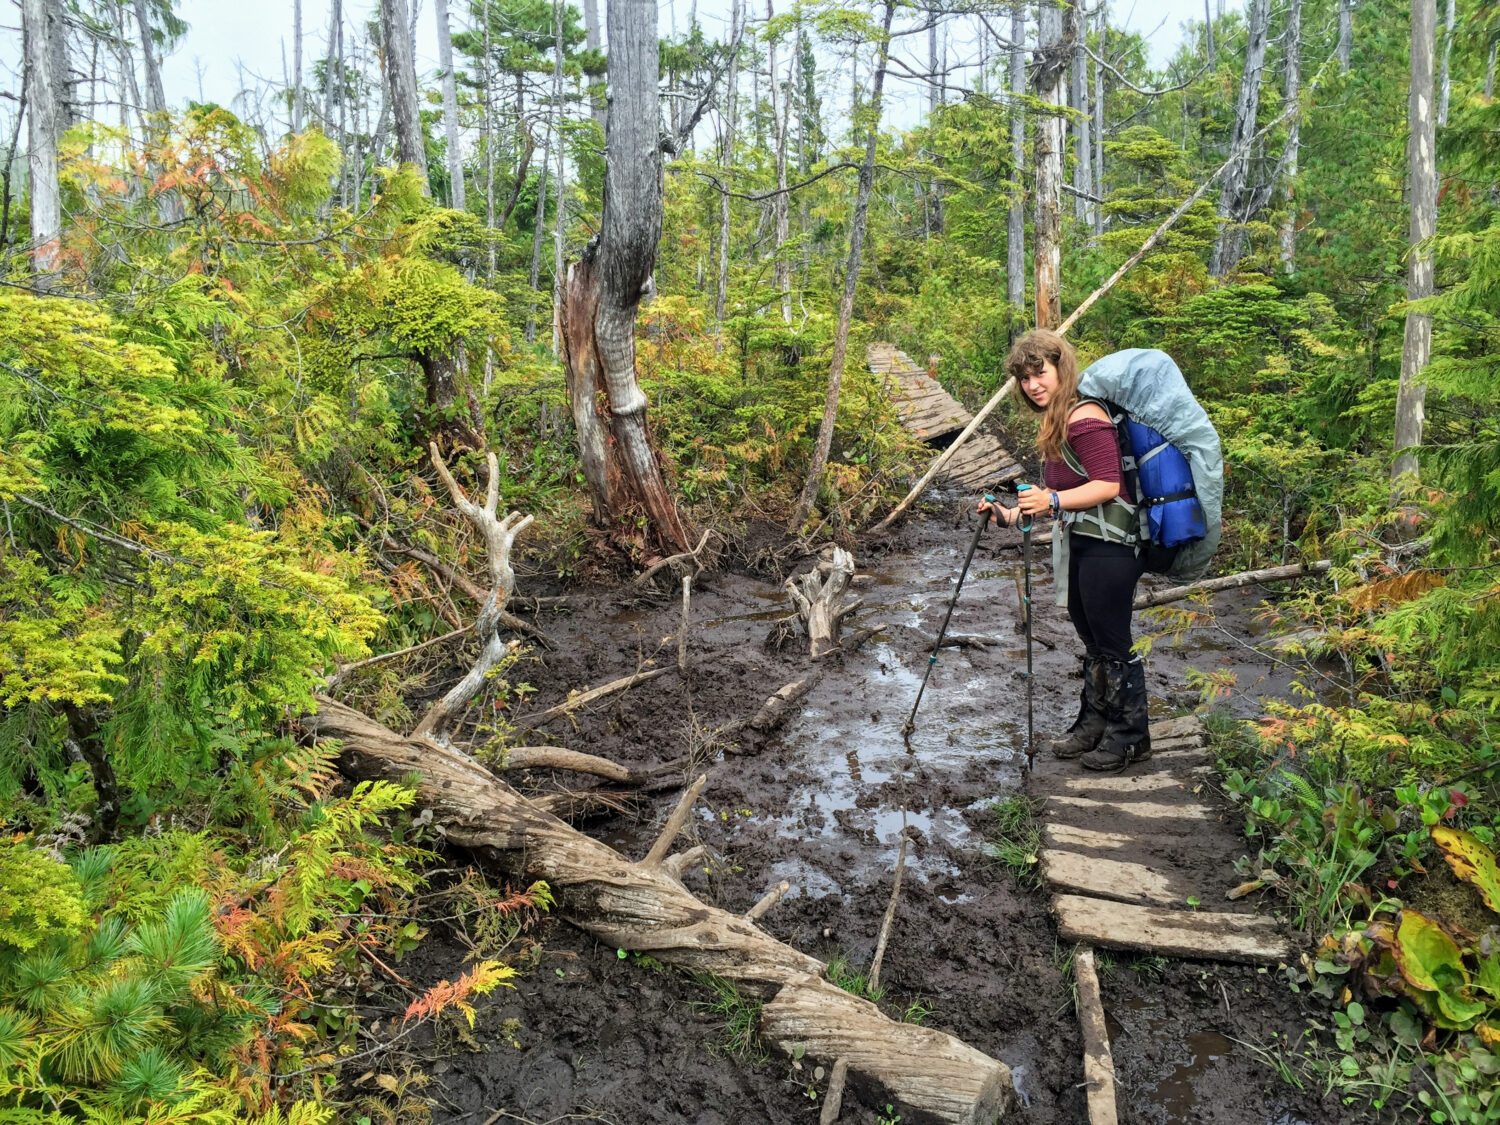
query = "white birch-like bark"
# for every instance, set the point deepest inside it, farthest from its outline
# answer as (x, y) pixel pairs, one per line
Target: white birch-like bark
(401, 75)
(1421, 155)
(451, 132)
(1292, 91)
(1345, 47)
(156, 98)
(41, 151)
(1099, 119)
(731, 96)
(1229, 245)
(1053, 52)
(851, 280)
(297, 66)
(1489, 73)
(1015, 250)
(1445, 86)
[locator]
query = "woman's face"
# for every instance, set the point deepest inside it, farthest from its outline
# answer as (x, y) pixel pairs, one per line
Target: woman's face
(1041, 386)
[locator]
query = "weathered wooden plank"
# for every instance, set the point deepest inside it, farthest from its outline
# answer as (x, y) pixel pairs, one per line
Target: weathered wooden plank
(1072, 836)
(1111, 878)
(1205, 935)
(1183, 727)
(1149, 810)
(1098, 1064)
(1130, 783)
(1192, 742)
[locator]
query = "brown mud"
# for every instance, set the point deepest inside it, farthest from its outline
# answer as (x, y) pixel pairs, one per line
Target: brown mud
(821, 804)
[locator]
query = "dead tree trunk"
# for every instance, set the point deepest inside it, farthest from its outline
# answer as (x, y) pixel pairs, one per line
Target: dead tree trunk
(297, 66)
(1082, 179)
(330, 72)
(1231, 240)
(1421, 155)
(1208, 32)
(731, 98)
(401, 73)
(606, 286)
(851, 279)
(1099, 120)
(1445, 84)
(1345, 47)
(560, 218)
(1015, 249)
(591, 41)
(1053, 51)
(456, 196)
(1293, 91)
(41, 152)
(781, 112)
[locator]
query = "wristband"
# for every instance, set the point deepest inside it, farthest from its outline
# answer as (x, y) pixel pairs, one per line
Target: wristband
(1056, 505)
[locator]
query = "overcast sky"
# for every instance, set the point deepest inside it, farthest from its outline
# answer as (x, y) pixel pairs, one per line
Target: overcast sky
(228, 38)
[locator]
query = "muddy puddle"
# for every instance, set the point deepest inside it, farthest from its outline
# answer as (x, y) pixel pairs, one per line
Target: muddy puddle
(822, 805)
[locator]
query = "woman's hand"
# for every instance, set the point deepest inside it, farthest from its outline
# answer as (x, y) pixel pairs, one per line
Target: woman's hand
(1004, 516)
(1034, 501)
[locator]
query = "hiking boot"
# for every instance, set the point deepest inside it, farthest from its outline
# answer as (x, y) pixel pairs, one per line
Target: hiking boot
(1127, 728)
(1088, 728)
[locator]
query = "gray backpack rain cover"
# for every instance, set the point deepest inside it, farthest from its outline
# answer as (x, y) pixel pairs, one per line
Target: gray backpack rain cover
(1147, 385)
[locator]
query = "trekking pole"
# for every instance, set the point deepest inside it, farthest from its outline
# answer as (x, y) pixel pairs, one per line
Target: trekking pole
(1026, 609)
(911, 720)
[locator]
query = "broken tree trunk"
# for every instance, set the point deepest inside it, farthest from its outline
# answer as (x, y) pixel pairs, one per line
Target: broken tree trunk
(642, 907)
(818, 597)
(1231, 582)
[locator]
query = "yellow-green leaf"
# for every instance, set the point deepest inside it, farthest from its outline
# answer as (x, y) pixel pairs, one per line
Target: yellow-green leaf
(1471, 861)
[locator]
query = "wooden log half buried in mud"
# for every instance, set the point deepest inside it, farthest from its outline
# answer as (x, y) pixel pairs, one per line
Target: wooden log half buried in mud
(928, 1075)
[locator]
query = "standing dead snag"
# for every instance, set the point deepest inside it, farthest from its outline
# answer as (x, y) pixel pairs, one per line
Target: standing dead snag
(606, 287)
(499, 535)
(818, 598)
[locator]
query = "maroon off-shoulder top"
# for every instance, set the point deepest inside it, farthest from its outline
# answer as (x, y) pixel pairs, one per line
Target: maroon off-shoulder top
(1098, 448)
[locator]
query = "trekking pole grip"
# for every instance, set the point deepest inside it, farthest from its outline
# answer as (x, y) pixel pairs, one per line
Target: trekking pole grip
(1030, 521)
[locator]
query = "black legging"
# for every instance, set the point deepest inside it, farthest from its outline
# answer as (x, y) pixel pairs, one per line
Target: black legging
(1101, 588)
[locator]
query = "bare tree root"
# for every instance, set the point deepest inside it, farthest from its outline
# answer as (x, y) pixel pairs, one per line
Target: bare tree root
(643, 907)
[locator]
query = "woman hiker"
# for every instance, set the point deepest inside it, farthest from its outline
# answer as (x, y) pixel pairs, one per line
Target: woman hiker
(1084, 490)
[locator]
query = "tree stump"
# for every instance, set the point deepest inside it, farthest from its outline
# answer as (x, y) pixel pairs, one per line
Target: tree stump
(818, 598)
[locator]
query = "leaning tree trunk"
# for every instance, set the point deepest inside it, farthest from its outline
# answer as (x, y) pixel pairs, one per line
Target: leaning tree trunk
(1289, 157)
(851, 279)
(450, 109)
(41, 151)
(1015, 248)
(606, 286)
(401, 74)
(1230, 244)
(1421, 155)
(1053, 52)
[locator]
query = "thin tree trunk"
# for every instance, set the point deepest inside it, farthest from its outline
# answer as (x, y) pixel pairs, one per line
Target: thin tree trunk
(489, 151)
(557, 244)
(1421, 154)
(68, 111)
(605, 289)
(131, 94)
(934, 99)
(1208, 31)
(1293, 91)
(297, 66)
(335, 28)
(156, 98)
(342, 86)
(721, 299)
(1099, 119)
(1230, 243)
(1054, 49)
(851, 280)
(1345, 47)
(456, 195)
(1445, 87)
(781, 109)
(591, 41)
(1082, 150)
(538, 227)
(1015, 251)
(41, 150)
(401, 73)
(1489, 74)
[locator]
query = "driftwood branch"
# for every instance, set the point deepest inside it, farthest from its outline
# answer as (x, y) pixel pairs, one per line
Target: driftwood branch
(345, 669)
(674, 823)
(1231, 582)
(682, 633)
(767, 900)
(556, 758)
(919, 1070)
(583, 699)
(675, 865)
(774, 711)
(890, 915)
(674, 561)
(833, 1101)
(499, 536)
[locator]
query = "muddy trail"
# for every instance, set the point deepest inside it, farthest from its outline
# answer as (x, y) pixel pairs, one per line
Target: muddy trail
(600, 1035)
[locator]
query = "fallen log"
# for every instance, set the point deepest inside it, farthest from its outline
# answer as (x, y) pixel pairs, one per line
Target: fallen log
(635, 906)
(775, 710)
(1231, 582)
(582, 699)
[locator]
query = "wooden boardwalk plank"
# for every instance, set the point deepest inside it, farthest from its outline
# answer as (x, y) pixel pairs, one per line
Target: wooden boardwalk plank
(1181, 933)
(1113, 879)
(1098, 1064)
(1133, 783)
(1150, 810)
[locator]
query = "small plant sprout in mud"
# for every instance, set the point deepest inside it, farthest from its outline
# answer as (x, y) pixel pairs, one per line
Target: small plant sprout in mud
(738, 1017)
(842, 973)
(1014, 838)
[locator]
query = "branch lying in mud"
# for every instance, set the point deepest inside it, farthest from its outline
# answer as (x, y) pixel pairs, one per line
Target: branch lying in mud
(531, 722)
(634, 906)
(676, 562)
(1231, 582)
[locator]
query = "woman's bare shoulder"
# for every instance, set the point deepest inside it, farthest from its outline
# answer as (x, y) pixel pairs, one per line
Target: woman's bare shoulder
(1087, 410)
